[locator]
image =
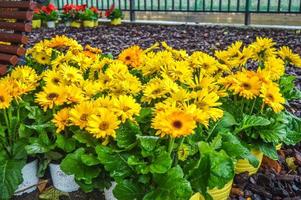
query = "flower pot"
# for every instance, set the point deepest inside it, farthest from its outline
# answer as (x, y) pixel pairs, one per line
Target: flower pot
(221, 194)
(278, 146)
(88, 23)
(51, 24)
(116, 21)
(75, 24)
(109, 192)
(36, 23)
(29, 175)
(243, 165)
(95, 23)
(67, 23)
(216, 194)
(62, 181)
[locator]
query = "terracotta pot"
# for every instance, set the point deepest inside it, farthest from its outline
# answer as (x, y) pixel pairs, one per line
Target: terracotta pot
(30, 178)
(243, 165)
(62, 181)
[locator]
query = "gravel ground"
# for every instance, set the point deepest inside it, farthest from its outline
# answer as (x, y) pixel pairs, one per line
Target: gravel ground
(278, 182)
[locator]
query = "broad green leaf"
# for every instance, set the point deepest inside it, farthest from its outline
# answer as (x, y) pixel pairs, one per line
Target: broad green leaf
(19, 152)
(170, 186)
(10, 177)
(114, 162)
(144, 116)
(89, 159)
(253, 121)
(200, 175)
(148, 143)
(227, 121)
(161, 163)
(66, 144)
(85, 138)
(269, 150)
(126, 134)
(72, 164)
(127, 189)
(216, 143)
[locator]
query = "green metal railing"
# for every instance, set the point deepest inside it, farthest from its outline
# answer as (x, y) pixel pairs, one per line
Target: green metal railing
(222, 6)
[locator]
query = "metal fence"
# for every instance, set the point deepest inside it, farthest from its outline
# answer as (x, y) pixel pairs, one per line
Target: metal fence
(221, 6)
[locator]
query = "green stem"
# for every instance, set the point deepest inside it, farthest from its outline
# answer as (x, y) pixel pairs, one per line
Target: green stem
(180, 145)
(170, 145)
(252, 108)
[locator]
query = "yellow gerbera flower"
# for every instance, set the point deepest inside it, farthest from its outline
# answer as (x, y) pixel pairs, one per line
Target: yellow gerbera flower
(52, 77)
(271, 96)
(175, 123)
(70, 74)
(41, 58)
(275, 68)
(245, 86)
(263, 48)
(131, 56)
(50, 96)
(61, 119)
(287, 54)
(104, 124)
(5, 97)
(74, 94)
(80, 113)
(126, 107)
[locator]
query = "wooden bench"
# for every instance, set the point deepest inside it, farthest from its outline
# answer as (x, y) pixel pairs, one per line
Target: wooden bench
(15, 22)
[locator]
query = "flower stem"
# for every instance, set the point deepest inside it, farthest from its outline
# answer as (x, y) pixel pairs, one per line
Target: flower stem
(170, 145)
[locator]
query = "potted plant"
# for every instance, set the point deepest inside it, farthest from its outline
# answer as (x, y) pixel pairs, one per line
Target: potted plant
(255, 104)
(66, 15)
(18, 168)
(50, 15)
(36, 20)
(97, 13)
(114, 14)
(88, 17)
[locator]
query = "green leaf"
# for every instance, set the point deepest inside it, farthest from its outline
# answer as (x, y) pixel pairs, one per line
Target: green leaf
(216, 143)
(72, 164)
(89, 159)
(253, 121)
(161, 163)
(10, 177)
(148, 143)
(288, 88)
(170, 186)
(85, 138)
(114, 162)
(126, 134)
(19, 149)
(144, 116)
(269, 150)
(127, 189)
(66, 144)
(227, 121)
(199, 176)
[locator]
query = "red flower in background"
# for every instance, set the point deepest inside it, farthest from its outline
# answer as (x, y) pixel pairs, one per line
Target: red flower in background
(95, 10)
(68, 7)
(108, 12)
(81, 7)
(48, 9)
(36, 11)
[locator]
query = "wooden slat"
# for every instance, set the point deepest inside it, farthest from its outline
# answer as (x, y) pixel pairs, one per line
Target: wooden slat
(15, 50)
(9, 59)
(17, 26)
(3, 69)
(30, 5)
(13, 37)
(23, 15)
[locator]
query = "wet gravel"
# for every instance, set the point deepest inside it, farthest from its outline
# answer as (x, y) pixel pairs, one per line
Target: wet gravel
(268, 183)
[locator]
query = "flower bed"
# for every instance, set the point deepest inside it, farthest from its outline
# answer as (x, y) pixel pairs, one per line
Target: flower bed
(161, 123)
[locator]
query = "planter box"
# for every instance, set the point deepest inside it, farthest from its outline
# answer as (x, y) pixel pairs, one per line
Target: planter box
(51, 24)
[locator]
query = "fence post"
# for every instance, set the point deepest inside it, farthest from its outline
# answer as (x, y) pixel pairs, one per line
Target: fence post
(132, 10)
(247, 13)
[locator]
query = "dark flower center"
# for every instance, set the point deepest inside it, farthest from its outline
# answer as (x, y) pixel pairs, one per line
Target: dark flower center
(247, 86)
(177, 124)
(128, 58)
(2, 99)
(103, 126)
(52, 95)
(270, 97)
(84, 117)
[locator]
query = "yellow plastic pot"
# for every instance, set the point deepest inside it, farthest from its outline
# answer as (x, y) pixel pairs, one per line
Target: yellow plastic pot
(96, 23)
(216, 194)
(278, 146)
(116, 21)
(88, 23)
(243, 165)
(75, 24)
(36, 23)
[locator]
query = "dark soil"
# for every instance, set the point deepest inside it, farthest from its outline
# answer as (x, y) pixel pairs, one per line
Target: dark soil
(267, 183)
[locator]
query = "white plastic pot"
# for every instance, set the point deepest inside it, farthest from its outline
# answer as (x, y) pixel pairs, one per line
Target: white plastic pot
(109, 193)
(30, 179)
(62, 181)
(67, 23)
(51, 24)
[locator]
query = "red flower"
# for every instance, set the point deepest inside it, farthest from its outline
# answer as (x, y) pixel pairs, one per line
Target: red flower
(108, 12)
(48, 9)
(36, 11)
(68, 7)
(81, 7)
